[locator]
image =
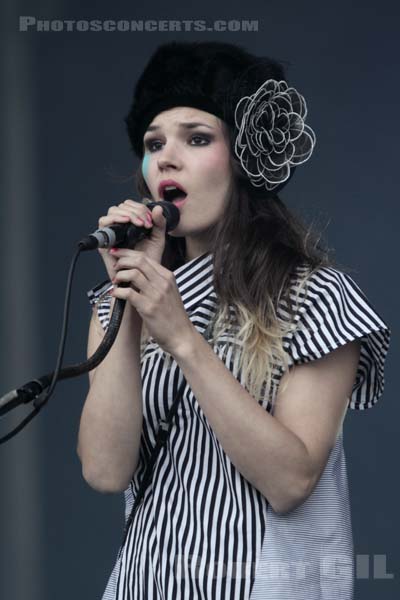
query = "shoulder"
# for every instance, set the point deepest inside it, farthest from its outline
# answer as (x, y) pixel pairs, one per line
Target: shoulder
(327, 288)
(331, 311)
(321, 281)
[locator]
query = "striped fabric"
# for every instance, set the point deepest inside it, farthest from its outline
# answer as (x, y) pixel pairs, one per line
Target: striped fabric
(203, 531)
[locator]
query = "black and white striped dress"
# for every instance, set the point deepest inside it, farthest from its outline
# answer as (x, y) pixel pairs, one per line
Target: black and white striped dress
(203, 531)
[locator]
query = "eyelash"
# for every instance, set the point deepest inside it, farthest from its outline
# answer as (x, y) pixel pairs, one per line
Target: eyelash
(150, 141)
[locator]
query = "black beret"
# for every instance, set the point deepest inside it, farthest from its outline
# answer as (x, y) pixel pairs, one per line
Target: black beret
(210, 76)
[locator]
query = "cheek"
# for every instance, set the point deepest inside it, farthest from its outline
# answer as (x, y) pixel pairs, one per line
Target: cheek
(145, 166)
(216, 175)
(216, 166)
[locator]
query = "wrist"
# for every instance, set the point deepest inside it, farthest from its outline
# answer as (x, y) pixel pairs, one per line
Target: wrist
(187, 345)
(132, 315)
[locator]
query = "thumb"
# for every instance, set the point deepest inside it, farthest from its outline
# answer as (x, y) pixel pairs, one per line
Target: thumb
(159, 221)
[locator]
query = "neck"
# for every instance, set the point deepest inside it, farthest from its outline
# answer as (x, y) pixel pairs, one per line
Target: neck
(195, 248)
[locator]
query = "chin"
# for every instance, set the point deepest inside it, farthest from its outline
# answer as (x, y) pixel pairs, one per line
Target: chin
(175, 233)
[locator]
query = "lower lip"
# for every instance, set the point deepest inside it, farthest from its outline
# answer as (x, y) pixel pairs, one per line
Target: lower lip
(179, 203)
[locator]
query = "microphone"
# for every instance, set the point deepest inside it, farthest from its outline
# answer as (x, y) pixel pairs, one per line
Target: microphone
(125, 235)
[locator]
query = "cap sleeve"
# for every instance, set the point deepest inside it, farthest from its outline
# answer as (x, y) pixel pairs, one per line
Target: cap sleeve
(335, 311)
(100, 298)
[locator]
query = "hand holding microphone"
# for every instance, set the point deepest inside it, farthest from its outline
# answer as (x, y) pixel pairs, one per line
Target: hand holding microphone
(125, 222)
(142, 218)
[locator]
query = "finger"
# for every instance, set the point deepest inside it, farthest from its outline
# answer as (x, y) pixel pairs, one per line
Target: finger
(139, 211)
(121, 209)
(133, 277)
(136, 258)
(109, 220)
(127, 294)
(145, 263)
(138, 207)
(134, 203)
(161, 271)
(122, 215)
(131, 259)
(122, 265)
(125, 208)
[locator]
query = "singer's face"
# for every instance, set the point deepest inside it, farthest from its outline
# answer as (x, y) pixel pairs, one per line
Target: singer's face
(198, 158)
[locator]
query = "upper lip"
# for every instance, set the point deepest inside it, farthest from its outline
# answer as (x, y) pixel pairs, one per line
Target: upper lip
(166, 182)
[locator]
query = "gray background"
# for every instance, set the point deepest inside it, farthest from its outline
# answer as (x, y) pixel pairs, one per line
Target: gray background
(66, 159)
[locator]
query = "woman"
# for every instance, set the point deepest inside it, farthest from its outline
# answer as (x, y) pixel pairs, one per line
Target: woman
(248, 497)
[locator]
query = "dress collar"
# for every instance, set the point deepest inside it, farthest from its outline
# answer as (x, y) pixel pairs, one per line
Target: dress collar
(195, 280)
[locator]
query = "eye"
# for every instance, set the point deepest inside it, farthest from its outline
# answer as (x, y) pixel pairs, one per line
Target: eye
(150, 143)
(204, 138)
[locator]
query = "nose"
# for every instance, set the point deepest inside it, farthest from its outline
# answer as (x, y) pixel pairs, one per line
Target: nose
(168, 157)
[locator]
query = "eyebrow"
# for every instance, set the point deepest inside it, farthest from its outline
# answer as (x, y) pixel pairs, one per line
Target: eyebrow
(183, 125)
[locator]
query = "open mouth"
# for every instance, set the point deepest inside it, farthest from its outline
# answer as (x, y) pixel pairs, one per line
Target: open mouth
(170, 195)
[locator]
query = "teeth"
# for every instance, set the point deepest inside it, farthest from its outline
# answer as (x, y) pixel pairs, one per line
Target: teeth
(170, 187)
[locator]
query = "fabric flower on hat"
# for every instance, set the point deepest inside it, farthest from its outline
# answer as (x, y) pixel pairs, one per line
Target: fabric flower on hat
(273, 136)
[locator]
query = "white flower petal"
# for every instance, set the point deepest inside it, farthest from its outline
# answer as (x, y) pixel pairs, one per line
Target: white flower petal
(272, 135)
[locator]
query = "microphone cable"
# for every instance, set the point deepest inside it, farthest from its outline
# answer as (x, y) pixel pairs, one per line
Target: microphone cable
(39, 390)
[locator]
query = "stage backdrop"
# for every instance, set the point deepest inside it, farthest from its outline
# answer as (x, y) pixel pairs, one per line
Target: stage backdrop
(66, 159)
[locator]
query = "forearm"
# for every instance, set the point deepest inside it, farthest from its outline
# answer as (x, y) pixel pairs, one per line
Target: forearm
(111, 421)
(265, 452)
